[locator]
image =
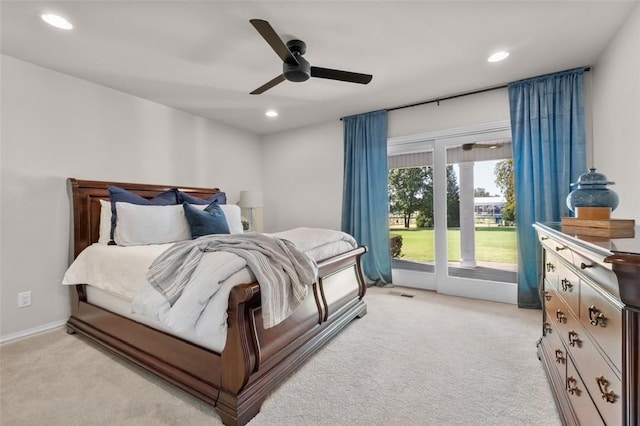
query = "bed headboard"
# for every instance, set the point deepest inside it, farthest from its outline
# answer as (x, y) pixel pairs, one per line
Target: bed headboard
(86, 195)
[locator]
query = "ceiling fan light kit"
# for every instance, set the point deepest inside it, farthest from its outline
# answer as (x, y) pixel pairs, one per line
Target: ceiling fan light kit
(296, 68)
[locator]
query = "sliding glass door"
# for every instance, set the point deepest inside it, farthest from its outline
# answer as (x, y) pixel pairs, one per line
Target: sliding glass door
(411, 220)
(450, 225)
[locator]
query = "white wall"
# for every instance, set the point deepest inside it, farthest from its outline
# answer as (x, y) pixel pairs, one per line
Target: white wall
(55, 126)
(616, 116)
(303, 168)
(303, 178)
(481, 108)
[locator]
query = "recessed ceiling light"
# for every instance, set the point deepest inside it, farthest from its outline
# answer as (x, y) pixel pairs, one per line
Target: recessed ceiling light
(271, 113)
(498, 56)
(56, 21)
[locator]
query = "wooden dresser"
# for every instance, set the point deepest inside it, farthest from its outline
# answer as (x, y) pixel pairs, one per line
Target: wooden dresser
(590, 345)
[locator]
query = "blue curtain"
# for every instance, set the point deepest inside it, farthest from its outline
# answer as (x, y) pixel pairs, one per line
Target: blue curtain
(549, 151)
(365, 203)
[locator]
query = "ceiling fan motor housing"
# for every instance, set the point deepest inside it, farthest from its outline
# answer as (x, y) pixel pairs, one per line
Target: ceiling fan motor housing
(300, 71)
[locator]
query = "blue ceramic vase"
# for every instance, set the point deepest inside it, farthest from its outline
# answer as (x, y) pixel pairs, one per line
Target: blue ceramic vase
(591, 191)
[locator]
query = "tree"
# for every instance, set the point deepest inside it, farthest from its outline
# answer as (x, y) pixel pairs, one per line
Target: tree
(407, 189)
(453, 199)
(425, 213)
(506, 182)
(481, 192)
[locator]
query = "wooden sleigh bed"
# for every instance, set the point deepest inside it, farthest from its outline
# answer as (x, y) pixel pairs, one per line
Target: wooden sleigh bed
(254, 360)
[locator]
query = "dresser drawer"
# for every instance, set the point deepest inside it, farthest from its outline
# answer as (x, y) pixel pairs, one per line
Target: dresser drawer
(582, 403)
(569, 287)
(551, 263)
(603, 321)
(555, 349)
(602, 383)
(559, 315)
(598, 272)
(606, 391)
(558, 248)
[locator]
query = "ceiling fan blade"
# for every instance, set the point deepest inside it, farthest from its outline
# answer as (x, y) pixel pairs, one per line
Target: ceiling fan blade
(472, 145)
(271, 37)
(352, 77)
(279, 79)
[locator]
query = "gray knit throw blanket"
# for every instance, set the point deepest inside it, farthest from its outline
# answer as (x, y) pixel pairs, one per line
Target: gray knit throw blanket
(282, 271)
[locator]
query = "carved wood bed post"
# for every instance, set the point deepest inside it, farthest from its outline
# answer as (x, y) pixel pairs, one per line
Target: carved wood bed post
(240, 346)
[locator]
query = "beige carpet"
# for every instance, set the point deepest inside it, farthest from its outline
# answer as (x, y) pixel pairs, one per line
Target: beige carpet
(427, 360)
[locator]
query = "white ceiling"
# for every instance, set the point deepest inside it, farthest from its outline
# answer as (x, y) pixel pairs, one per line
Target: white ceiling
(205, 57)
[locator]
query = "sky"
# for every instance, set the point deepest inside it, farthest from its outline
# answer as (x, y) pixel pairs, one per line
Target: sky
(483, 176)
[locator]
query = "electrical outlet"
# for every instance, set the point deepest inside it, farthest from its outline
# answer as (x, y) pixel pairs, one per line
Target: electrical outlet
(24, 299)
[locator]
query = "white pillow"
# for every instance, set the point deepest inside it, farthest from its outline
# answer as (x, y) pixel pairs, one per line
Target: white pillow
(232, 213)
(234, 218)
(141, 224)
(105, 222)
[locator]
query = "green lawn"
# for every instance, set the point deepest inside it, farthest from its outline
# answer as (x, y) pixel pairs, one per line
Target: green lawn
(493, 244)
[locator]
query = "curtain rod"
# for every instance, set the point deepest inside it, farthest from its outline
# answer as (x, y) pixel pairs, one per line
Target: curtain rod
(446, 98)
(459, 95)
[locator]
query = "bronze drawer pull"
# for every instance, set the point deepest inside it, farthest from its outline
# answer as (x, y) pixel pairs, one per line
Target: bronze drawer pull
(550, 267)
(546, 328)
(546, 295)
(560, 359)
(558, 248)
(607, 396)
(572, 386)
(596, 317)
(544, 238)
(585, 266)
(566, 285)
(561, 317)
(574, 340)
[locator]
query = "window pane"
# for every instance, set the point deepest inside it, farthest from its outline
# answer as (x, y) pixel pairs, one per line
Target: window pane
(411, 218)
(481, 238)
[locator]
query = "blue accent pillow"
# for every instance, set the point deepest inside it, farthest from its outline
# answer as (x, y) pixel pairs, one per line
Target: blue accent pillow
(117, 194)
(211, 220)
(186, 198)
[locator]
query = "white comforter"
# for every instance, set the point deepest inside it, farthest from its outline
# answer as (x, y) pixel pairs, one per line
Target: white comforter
(122, 271)
(114, 269)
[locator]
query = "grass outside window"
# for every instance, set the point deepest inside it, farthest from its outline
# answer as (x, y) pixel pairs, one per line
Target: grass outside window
(493, 244)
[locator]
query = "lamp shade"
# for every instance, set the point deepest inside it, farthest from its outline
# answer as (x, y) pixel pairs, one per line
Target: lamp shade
(250, 199)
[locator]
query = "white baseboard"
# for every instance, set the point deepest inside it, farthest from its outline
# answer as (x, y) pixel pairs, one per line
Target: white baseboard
(32, 331)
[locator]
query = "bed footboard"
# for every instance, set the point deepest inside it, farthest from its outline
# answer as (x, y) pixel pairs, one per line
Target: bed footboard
(255, 360)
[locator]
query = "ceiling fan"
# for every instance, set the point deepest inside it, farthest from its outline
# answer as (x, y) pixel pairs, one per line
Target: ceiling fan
(294, 66)
(470, 146)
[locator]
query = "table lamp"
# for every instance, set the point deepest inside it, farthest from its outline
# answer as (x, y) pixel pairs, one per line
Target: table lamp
(250, 200)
